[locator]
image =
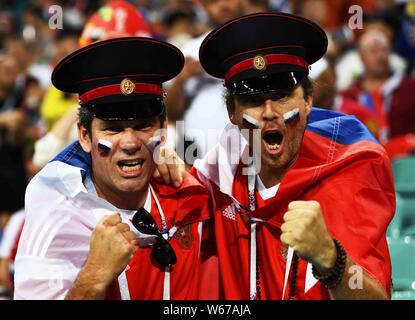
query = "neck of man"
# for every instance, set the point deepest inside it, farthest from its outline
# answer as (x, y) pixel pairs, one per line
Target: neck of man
(269, 177)
(272, 175)
(373, 82)
(124, 200)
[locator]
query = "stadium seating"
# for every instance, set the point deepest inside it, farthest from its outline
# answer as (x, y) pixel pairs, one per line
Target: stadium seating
(404, 176)
(402, 253)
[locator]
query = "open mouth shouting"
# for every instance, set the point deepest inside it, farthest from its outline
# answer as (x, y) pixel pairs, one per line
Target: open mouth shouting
(131, 167)
(272, 140)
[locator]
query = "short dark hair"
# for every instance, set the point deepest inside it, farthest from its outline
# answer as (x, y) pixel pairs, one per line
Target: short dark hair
(85, 117)
(305, 83)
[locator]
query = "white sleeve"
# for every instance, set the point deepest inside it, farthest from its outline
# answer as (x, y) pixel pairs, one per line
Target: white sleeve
(52, 250)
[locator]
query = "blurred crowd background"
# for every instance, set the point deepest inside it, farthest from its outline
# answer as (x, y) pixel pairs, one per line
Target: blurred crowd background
(368, 71)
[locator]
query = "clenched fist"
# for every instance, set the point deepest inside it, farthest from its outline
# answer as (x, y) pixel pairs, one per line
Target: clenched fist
(112, 246)
(305, 231)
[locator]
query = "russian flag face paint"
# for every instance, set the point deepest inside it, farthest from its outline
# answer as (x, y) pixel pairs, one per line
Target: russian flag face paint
(104, 146)
(250, 122)
(290, 116)
(154, 142)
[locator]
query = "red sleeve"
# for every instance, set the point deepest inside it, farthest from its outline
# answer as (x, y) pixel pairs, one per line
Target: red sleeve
(358, 207)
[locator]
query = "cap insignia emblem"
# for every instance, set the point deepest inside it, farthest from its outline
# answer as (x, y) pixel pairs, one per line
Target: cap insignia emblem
(127, 87)
(260, 63)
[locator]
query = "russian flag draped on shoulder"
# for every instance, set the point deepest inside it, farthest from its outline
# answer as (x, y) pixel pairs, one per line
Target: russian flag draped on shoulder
(343, 167)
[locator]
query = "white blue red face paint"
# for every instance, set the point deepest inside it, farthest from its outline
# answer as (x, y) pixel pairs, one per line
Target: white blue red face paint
(292, 115)
(250, 122)
(104, 146)
(289, 117)
(154, 142)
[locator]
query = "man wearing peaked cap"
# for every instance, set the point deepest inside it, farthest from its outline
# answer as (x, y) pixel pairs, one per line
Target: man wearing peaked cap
(96, 226)
(121, 70)
(312, 204)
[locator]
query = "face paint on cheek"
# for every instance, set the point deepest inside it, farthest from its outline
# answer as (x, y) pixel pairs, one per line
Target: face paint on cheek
(249, 122)
(154, 142)
(291, 116)
(104, 147)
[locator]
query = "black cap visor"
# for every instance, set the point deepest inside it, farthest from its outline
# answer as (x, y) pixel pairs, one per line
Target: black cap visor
(266, 83)
(131, 110)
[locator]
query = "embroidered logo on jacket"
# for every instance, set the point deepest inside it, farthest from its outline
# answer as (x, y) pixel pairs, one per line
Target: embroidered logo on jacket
(184, 237)
(229, 212)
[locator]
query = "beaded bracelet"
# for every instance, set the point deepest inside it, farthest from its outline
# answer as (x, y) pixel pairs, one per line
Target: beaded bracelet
(334, 276)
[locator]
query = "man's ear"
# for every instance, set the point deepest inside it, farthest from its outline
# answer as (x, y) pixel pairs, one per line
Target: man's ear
(84, 138)
(308, 104)
(231, 112)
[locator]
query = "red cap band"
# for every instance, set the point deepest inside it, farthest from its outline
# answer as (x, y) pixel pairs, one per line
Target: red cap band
(270, 59)
(145, 88)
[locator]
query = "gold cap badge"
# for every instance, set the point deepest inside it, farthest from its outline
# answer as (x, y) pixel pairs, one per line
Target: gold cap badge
(127, 87)
(259, 63)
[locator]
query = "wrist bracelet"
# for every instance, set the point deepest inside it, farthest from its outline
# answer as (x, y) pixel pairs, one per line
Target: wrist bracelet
(334, 276)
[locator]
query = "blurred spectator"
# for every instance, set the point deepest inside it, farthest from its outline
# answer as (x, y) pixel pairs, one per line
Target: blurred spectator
(179, 26)
(253, 6)
(324, 84)
(12, 136)
(55, 105)
(11, 93)
(62, 133)
(6, 27)
(281, 5)
(349, 66)
(32, 26)
(407, 44)
(340, 36)
(8, 245)
(383, 101)
(117, 18)
(338, 11)
(322, 71)
(195, 96)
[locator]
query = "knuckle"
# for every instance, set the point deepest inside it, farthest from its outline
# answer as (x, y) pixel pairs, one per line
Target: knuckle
(297, 235)
(292, 205)
(314, 214)
(314, 204)
(308, 219)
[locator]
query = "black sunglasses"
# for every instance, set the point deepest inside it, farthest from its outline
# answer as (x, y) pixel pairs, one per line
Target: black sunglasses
(162, 251)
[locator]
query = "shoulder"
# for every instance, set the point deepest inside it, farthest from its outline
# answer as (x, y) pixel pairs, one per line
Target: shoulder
(54, 183)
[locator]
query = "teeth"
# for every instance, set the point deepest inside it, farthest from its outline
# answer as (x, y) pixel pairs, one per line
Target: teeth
(273, 146)
(131, 165)
(129, 168)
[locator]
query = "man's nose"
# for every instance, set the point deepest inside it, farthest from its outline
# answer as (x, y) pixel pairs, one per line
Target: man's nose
(130, 141)
(269, 112)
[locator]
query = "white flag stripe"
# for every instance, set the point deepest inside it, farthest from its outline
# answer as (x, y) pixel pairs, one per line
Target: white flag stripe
(41, 232)
(123, 283)
(51, 235)
(310, 281)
